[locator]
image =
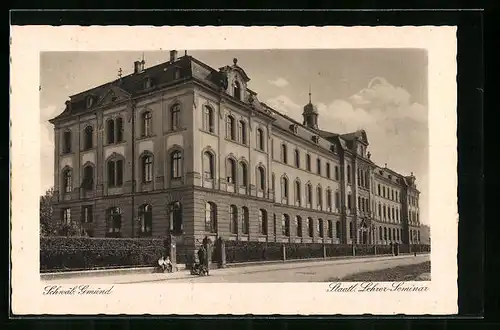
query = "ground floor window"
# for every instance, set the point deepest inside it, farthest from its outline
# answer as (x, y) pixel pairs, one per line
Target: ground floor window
(113, 222)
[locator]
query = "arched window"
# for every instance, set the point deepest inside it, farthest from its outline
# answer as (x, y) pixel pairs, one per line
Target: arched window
(210, 217)
(230, 128)
(309, 195)
(110, 131)
(285, 225)
(338, 229)
(329, 199)
(260, 139)
(328, 174)
(208, 165)
(245, 220)
(349, 202)
(147, 123)
(320, 228)
(284, 155)
(242, 132)
(88, 141)
(146, 220)
(261, 178)
(231, 171)
(284, 187)
(119, 129)
(88, 177)
(385, 233)
(348, 174)
(263, 222)
(147, 168)
(330, 228)
(319, 198)
(208, 119)
(66, 142)
(115, 173)
(297, 158)
(310, 227)
(176, 164)
(176, 225)
(237, 90)
(113, 222)
(175, 117)
(298, 193)
(233, 219)
(243, 174)
(308, 162)
(318, 166)
(67, 180)
(298, 225)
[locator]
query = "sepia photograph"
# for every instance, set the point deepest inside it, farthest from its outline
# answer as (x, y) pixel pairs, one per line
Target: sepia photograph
(249, 169)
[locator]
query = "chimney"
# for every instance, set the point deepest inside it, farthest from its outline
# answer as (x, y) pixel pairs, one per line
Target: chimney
(137, 66)
(173, 56)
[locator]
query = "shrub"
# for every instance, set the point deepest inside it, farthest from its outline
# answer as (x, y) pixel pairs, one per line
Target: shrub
(241, 251)
(83, 253)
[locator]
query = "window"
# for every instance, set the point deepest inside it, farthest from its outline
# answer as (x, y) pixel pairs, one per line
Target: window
(359, 178)
(261, 178)
(318, 166)
(176, 164)
(392, 194)
(329, 199)
(378, 188)
(245, 220)
(242, 132)
(337, 199)
(175, 117)
(113, 222)
(233, 219)
(260, 139)
(237, 90)
(418, 236)
(231, 171)
(298, 225)
(208, 119)
(310, 227)
(380, 233)
(383, 191)
(330, 229)
(147, 123)
(176, 225)
(298, 196)
(337, 175)
(337, 229)
(349, 174)
(147, 168)
(66, 216)
(367, 180)
(110, 131)
(119, 129)
(88, 177)
(385, 214)
(67, 180)
(208, 165)
(146, 219)
(88, 137)
(263, 222)
(397, 235)
(273, 183)
(308, 162)
(284, 187)
(297, 158)
(359, 203)
(284, 157)
(210, 217)
(328, 174)
(319, 198)
(230, 128)
(349, 202)
(320, 228)
(351, 230)
(147, 83)
(392, 214)
(87, 214)
(243, 175)
(385, 233)
(390, 234)
(67, 142)
(397, 214)
(285, 225)
(115, 173)
(379, 210)
(309, 195)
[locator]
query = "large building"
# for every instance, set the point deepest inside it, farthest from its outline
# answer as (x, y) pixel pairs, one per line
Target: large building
(186, 149)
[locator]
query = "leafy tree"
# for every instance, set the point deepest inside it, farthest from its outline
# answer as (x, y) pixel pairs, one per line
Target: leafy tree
(47, 226)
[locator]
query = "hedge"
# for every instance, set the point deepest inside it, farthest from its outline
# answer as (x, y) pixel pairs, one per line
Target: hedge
(242, 251)
(84, 253)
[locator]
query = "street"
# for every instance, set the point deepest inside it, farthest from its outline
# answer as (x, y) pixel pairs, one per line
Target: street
(303, 271)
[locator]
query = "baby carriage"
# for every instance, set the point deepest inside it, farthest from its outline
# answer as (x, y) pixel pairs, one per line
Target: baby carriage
(199, 269)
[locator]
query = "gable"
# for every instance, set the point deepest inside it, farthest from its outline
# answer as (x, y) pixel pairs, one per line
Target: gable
(113, 95)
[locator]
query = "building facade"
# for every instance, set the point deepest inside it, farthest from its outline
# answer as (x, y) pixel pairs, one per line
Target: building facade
(186, 149)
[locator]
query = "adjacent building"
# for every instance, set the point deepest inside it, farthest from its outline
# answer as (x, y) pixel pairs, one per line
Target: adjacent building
(186, 149)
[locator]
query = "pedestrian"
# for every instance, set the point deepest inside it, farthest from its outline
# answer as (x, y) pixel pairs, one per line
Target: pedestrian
(161, 263)
(202, 256)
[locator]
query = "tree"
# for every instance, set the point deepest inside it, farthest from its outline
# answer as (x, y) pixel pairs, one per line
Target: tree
(47, 226)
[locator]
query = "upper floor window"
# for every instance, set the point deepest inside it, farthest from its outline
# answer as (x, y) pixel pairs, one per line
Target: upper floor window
(319, 199)
(147, 83)
(383, 191)
(231, 171)
(285, 225)
(208, 165)
(67, 180)
(88, 177)
(337, 175)
(378, 189)
(88, 133)
(349, 202)
(297, 158)
(261, 178)
(245, 220)
(284, 155)
(147, 121)
(349, 174)
(284, 187)
(309, 196)
(208, 119)
(337, 199)
(176, 164)
(119, 129)
(230, 128)
(243, 174)
(318, 166)
(210, 217)
(147, 168)
(260, 139)
(115, 173)
(237, 90)
(367, 180)
(308, 162)
(328, 174)
(329, 198)
(67, 142)
(298, 196)
(242, 132)
(175, 117)
(110, 131)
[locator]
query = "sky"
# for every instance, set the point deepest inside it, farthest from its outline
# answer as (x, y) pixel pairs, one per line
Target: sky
(383, 91)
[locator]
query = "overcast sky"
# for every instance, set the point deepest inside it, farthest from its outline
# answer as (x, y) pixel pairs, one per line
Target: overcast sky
(381, 91)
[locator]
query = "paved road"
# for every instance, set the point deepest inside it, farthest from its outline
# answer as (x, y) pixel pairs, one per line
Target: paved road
(312, 271)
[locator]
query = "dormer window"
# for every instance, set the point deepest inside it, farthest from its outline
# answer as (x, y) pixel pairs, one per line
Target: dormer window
(147, 83)
(315, 138)
(90, 101)
(293, 128)
(237, 90)
(177, 73)
(332, 148)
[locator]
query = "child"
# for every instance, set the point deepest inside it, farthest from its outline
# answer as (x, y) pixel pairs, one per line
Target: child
(162, 263)
(168, 264)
